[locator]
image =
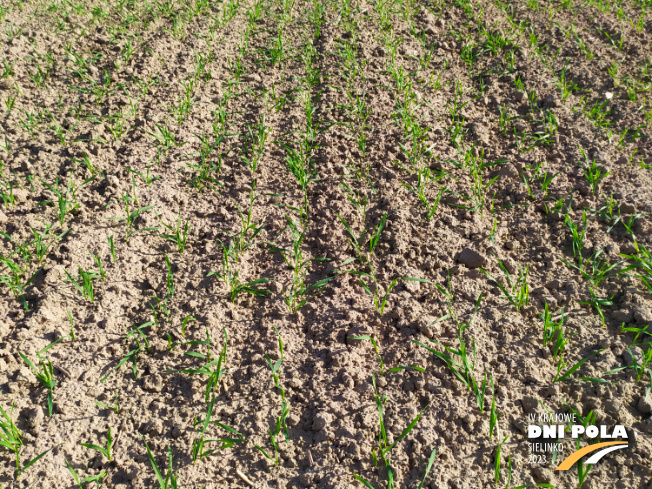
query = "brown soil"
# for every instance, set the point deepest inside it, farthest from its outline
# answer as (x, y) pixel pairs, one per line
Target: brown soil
(101, 79)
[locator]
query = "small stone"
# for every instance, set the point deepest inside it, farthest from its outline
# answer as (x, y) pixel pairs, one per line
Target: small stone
(348, 381)
(20, 195)
(645, 404)
(511, 265)
(642, 315)
(131, 472)
(153, 383)
(529, 404)
(3, 218)
(628, 249)
(154, 427)
(613, 407)
(480, 132)
(508, 171)
(628, 358)
(471, 258)
(177, 431)
(427, 326)
(543, 474)
(622, 315)
(554, 285)
(520, 424)
(322, 420)
(627, 208)
(519, 96)
(511, 245)
(292, 419)
(35, 417)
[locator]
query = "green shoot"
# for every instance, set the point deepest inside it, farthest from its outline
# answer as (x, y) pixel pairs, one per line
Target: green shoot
(45, 375)
(104, 451)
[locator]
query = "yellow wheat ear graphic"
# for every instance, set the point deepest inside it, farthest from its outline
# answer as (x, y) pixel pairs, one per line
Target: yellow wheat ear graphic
(613, 445)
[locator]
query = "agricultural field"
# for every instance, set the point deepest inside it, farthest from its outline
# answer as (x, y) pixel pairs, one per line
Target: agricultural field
(323, 244)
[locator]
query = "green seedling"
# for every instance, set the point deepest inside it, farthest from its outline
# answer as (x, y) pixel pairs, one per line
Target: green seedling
(499, 450)
(493, 414)
(458, 361)
(594, 268)
(383, 371)
(80, 482)
(593, 173)
(590, 419)
(639, 365)
(598, 114)
(10, 436)
(553, 332)
(577, 235)
(384, 447)
(7, 195)
(230, 278)
(205, 168)
(424, 176)
(380, 302)
(365, 244)
(544, 178)
(100, 268)
(244, 237)
(41, 246)
(565, 85)
(559, 377)
(598, 303)
(170, 479)
(137, 335)
(299, 164)
(169, 277)
(10, 102)
(179, 234)
(639, 332)
(45, 375)
(132, 216)
(112, 248)
(213, 368)
(642, 263)
(254, 144)
(299, 292)
(29, 463)
(84, 282)
(72, 325)
(14, 281)
(198, 444)
(104, 451)
(162, 304)
(66, 201)
(115, 408)
(147, 178)
(476, 165)
(517, 291)
(165, 139)
(60, 131)
(185, 323)
(86, 161)
(280, 424)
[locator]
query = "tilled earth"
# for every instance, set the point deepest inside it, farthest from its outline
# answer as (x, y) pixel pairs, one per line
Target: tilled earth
(195, 112)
